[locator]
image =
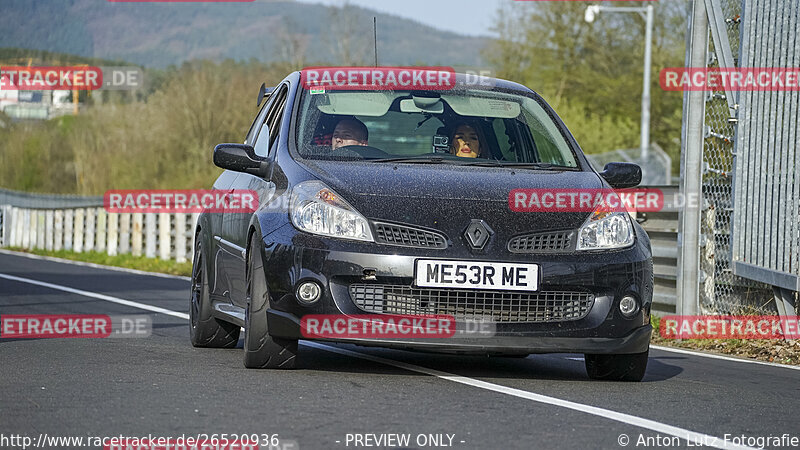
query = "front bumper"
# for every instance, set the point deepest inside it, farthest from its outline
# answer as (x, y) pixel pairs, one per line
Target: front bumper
(292, 257)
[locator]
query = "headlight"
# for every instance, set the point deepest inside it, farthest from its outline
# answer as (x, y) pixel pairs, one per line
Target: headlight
(605, 230)
(315, 208)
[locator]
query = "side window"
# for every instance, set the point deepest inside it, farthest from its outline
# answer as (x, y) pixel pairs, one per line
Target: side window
(270, 122)
(251, 134)
(276, 114)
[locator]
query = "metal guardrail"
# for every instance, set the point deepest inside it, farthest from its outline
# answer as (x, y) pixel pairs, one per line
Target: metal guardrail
(47, 201)
(662, 227)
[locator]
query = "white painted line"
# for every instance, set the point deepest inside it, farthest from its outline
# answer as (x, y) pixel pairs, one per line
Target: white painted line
(723, 357)
(107, 298)
(96, 266)
(688, 435)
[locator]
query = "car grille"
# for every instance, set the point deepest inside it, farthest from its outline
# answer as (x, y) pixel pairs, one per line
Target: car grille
(560, 241)
(392, 234)
(497, 306)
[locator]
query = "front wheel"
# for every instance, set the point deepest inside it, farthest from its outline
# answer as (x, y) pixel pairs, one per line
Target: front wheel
(262, 351)
(616, 367)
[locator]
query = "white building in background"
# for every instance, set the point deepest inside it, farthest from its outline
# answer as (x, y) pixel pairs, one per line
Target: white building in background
(23, 104)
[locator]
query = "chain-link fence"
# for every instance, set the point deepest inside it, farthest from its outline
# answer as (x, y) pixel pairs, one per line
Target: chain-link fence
(721, 291)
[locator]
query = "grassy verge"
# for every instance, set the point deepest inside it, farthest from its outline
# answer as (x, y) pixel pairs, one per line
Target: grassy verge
(127, 261)
(770, 350)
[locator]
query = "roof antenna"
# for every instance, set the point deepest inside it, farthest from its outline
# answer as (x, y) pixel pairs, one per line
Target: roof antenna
(375, 35)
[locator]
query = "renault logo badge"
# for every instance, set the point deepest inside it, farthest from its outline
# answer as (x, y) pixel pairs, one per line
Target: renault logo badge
(477, 234)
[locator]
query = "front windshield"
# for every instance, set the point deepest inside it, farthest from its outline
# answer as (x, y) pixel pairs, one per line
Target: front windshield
(460, 126)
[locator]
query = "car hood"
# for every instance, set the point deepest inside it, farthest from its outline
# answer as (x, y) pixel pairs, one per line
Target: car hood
(448, 197)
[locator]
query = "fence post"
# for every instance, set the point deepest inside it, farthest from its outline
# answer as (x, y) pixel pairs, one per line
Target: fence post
(113, 236)
(102, 219)
(136, 235)
(691, 172)
(180, 237)
(77, 229)
(40, 229)
(49, 231)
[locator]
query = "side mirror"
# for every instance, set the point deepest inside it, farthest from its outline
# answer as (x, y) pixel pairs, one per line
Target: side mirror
(241, 158)
(622, 175)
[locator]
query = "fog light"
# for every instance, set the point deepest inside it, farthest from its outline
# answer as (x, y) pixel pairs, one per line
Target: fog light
(628, 306)
(308, 292)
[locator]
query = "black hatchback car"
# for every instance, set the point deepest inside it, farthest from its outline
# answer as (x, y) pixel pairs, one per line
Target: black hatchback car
(399, 202)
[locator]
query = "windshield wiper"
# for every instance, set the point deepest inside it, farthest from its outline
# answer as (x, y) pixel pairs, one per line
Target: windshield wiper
(496, 163)
(433, 159)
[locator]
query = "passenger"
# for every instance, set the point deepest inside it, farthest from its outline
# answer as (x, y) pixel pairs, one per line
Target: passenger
(349, 131)
(465, 141)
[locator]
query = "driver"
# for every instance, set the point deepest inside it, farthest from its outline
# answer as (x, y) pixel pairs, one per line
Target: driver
(465, 141)
(349, 131)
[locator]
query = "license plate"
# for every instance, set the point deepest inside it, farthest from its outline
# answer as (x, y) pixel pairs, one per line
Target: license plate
(476, 275)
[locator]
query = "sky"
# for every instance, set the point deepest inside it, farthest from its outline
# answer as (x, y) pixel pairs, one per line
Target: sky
(470, 17)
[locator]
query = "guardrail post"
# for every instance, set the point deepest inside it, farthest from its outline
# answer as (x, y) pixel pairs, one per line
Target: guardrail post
(40, 229)
(136, 234)
(124, 234)
(113, 235)
(91, 228)
(31, 229)
(8, 226)
(19, 226)
(58, 237)
(180, 237)
(26, 228)
(164, 244)
(150, 235)
(102, 221)
(69, 222)
(49, 231)
(195, 217)
(77, 230)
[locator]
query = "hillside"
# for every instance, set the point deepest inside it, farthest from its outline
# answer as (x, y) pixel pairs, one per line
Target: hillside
(163, 34)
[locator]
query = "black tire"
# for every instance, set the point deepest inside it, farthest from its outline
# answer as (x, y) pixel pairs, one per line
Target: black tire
(262, 351)
(206, 330)
(616, 367)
